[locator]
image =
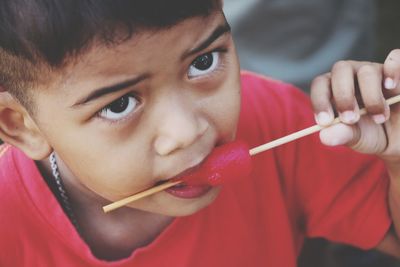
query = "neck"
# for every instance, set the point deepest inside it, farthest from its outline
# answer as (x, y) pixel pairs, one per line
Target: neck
(110, 236)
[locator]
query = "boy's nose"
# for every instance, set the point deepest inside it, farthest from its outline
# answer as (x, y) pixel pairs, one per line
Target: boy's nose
(177, 130)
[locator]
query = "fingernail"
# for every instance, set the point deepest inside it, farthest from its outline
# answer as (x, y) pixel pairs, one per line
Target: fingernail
(379, 118)
(349, 116)
(390, 83)
(323, 118)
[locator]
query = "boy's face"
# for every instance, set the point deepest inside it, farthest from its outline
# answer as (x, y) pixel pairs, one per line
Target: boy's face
(127, 117)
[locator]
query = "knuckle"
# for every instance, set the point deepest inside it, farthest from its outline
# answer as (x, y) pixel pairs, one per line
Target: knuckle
(321, 79)
(375, 107)
(341, 64)
(343, 106)
(394, 55)
(343, 103)
(366, 70)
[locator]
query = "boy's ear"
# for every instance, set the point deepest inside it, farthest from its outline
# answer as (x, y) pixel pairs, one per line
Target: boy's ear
(19, 129)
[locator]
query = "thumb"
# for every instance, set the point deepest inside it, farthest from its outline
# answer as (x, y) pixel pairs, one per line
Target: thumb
(339, 134)
(364, 137)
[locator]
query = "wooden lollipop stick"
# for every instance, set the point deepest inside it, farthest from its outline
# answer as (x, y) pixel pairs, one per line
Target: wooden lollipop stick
(253, 151)
(308, 131)
(137, 196)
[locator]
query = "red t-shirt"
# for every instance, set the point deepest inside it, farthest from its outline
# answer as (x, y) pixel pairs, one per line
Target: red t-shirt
(296, 190)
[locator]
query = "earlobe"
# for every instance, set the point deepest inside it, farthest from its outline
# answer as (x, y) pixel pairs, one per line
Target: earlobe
(18, 129)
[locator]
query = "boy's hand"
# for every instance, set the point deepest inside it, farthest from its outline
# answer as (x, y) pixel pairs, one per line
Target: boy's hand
(347, 88)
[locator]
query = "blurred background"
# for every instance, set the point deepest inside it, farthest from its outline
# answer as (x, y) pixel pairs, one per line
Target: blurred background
(294, 41)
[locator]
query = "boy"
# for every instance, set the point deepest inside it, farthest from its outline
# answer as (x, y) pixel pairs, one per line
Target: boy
(103, 99)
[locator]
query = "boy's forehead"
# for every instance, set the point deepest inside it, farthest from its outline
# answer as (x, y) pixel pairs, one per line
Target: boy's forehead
(99, 60)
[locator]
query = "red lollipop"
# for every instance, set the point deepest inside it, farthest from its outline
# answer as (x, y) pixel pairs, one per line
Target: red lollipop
(226, 163)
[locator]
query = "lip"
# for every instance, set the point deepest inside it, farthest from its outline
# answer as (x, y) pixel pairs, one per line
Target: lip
(183, 190)
(188, 191)
(179, 175)
(193, 167)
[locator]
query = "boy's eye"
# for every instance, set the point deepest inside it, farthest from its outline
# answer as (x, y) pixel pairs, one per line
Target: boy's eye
(119, 108)
(204, 64)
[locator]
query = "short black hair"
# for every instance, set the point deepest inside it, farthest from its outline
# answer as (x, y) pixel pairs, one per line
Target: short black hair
(50, 31)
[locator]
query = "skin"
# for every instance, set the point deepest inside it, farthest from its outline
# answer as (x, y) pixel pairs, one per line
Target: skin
(348, 85)
(174, 120)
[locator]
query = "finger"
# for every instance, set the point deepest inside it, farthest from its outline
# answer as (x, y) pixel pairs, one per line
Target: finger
(391, 69)
(321, 99)
(343, 90)
(370, 83)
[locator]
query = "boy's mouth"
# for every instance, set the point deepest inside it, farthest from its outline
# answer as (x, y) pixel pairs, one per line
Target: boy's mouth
(181, 174)
(188, 191)
(183, 190)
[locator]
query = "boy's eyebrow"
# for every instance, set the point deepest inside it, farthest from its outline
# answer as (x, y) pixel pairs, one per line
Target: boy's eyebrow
(109, 89)
(220, 30)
